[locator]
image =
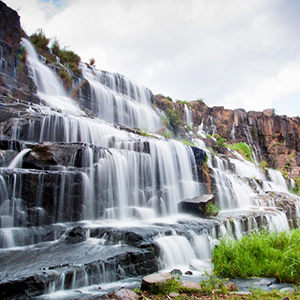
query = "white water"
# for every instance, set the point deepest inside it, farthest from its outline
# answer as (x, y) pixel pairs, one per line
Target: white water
(188, 115)
(17, 161)
(50, 89)
(119, 100)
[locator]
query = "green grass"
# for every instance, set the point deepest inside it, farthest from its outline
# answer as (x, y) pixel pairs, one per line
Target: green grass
(244, 150)
(260, 254)
(187, 142)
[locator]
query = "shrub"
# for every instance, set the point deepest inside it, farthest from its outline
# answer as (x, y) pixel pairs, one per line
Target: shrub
(211, 283)
(220, 142)
(261, 254)
(22, 55)
(211, 209)
(40, 40)
(174, 119)
(92, 61)
(67, 57)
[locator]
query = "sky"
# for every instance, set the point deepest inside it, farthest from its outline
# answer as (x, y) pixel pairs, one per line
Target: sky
(231, 53)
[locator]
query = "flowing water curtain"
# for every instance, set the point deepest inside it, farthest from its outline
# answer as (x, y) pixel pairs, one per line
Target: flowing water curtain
(117, 99)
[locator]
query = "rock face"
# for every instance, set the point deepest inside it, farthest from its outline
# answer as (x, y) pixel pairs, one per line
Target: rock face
(274, 139)
(14, 79)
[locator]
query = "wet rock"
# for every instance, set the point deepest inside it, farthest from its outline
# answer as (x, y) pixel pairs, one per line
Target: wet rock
(76, 235)
(155, 279)
(188, 273)
(176, 272)
(196, 206)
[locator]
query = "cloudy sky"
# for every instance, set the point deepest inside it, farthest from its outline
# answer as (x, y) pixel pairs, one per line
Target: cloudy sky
(234, 53)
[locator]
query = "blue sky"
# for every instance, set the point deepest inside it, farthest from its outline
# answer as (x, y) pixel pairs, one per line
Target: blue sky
(238, 54)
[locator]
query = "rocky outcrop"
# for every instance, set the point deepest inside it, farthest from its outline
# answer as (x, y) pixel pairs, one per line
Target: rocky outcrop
(274, 139)
(14, 79)
(198, 206)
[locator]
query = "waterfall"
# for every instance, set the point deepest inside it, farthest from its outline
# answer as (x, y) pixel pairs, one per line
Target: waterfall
(117, 99)
(86, 202)
(188, 115)
(50, 89)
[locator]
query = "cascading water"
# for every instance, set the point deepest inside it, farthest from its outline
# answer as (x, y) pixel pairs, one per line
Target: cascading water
(188, 115)
(116, 99)
(84, 203)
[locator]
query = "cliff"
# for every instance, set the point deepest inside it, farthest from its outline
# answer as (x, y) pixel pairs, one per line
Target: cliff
(274, 139)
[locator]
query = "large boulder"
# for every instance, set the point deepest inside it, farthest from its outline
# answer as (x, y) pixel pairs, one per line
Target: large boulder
(197, 205)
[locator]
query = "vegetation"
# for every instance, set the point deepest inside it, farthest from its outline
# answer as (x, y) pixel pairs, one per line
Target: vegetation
(296, 188)
(261, 254)
(67, 57)
(92, 61)
(22, 55)
(220, 142)
(66, 78)
(171, 285)
(174, 119)
(244, 149)
(187, 142)
(211, 283)
(40, 40)
(263, 165)
(211, 209)
(200, 101)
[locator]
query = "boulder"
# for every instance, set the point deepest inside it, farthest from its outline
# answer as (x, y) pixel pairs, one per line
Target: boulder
(155, 279)
(197, 205)
(123, 294)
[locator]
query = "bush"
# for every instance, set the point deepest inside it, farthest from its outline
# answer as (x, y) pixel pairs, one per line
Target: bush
(68, 58)
(174, 119)
(261, 254)
(220, 142)
(40, 40)
(211, 283)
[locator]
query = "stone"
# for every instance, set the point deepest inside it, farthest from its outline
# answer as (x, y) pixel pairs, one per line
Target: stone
(188, 273)
(191, 285)
(236, 293)
(176, 272)
(76, 235)
(196, 206)
(157, 278)
(231, 287)
(123, 294)
(173, 295)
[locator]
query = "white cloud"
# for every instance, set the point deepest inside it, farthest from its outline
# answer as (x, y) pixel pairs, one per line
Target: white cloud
(229, 52)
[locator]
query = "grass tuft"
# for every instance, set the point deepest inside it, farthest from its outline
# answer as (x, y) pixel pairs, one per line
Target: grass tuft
(260, 254)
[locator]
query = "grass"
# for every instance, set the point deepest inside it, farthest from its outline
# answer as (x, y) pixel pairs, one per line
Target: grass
(187, 142)
(260, 254)
(244, 149)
